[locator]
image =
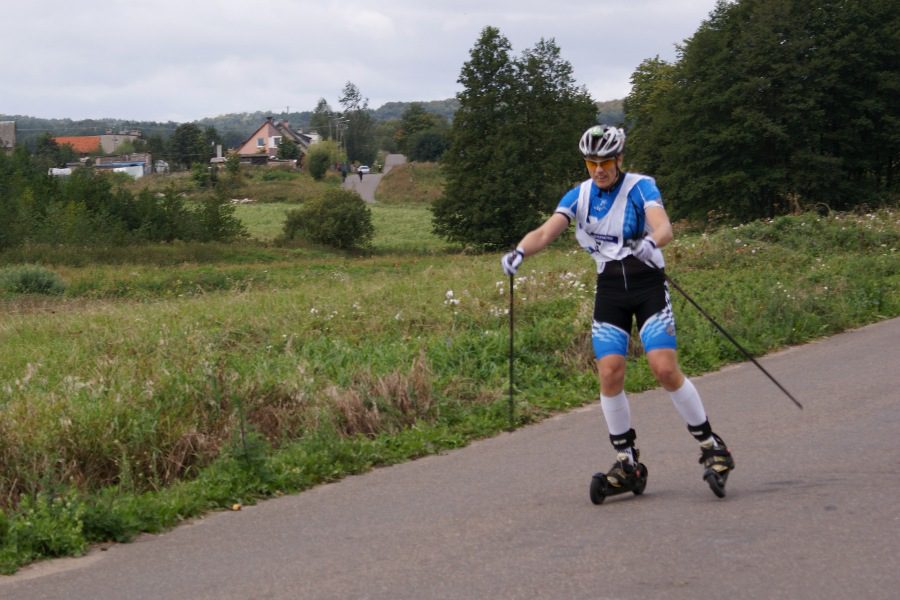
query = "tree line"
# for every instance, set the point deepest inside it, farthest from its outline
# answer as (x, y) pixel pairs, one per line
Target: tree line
(86, 208)
(772, 106)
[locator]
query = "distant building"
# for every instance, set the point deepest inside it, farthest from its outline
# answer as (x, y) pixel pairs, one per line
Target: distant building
(263, 144)
(136, 165)
(81, 144)
(97, 144)
(7, 135)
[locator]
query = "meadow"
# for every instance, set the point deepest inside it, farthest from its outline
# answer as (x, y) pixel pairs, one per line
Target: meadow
(168, 381)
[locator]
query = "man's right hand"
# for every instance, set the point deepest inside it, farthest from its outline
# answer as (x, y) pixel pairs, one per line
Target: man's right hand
(511, 261)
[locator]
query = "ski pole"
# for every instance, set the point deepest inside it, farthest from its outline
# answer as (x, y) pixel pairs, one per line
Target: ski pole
(727, 335)
(511, 372)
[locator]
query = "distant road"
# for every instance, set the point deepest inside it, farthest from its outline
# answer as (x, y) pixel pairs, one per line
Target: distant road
(811, 511)
(366, 186)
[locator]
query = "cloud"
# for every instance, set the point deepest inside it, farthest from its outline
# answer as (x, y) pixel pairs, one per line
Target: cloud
(184, 60)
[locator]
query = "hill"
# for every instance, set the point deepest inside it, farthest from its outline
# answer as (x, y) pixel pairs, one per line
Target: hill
(235, 127)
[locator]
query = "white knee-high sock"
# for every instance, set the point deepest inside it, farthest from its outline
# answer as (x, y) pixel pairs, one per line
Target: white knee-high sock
(688, 404)
(616, 412)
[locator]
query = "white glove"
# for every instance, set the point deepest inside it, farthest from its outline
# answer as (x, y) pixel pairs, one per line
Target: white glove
(644, 250)
(511, 261)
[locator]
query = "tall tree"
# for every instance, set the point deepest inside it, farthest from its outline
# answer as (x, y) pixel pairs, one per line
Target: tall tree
(645, 105)
(322, 120)
(514, 142)
(188, 145)
(359, 133)
(552, 112)
(774, 105)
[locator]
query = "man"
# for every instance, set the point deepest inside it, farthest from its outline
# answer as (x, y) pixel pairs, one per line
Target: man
(621, 222)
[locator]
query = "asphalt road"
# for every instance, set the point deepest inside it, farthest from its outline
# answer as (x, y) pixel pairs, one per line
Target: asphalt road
(366, 185)
(811, 510)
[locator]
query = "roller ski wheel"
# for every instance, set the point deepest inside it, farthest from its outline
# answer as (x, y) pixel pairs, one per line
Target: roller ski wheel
(718, 463)
(716, 481)
(623, 477)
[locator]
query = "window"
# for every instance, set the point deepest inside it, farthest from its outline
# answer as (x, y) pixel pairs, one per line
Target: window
(276, 141)
(260, 142)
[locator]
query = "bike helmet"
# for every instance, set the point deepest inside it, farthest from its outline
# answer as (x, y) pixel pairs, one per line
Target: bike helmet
(603, 141)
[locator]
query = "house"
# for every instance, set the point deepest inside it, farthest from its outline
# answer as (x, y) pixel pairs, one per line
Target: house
(7, 135)
(263, 144)
(98, 144)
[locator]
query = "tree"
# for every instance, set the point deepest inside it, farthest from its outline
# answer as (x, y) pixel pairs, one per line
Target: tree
(322, 120)
(288, 150)
(359, 137)
(416, 119)
(51, 154)
(513, 149)
(645, 106)
(428, 145)
(551, 115)
(188, 145)
(774, 105)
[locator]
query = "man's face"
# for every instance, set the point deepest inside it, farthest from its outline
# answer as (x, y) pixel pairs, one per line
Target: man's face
(603, 170)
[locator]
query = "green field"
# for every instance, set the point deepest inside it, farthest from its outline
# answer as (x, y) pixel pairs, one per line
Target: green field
(168, 381)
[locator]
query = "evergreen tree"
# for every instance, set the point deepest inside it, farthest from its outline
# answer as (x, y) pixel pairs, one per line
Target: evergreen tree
(774, 105)
(188, 145)
(359, 136)
(288, 150)
(514, 142)
(322, 120)
(551, 115)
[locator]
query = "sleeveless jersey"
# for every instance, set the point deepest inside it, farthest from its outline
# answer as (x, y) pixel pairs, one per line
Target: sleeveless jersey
(606, 220)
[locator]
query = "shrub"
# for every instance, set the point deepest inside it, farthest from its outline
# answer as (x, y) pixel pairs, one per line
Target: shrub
(339, 218)
(31, 280)
(319, 160)
(216, 220)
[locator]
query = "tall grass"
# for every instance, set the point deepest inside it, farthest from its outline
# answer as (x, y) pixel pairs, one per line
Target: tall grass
(202, 385)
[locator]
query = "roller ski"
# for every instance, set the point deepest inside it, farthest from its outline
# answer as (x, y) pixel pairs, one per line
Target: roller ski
(624, 476)
(627, 473)
(717, 464)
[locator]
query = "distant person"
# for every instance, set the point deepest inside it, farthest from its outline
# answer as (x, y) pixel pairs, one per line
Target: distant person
(360, 174)
(620, 221)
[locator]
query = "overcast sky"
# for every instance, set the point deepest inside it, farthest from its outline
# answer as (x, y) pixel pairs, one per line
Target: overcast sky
(183, 60)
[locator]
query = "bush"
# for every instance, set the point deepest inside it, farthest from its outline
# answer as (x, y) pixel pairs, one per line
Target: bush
(31, 280)
(339, 218)
(318, 163)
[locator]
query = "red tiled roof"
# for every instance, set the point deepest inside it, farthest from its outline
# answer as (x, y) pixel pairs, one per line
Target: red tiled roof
(83, 144)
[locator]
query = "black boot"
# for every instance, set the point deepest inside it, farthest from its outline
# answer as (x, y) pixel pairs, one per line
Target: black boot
(626, 474)
(714, 456)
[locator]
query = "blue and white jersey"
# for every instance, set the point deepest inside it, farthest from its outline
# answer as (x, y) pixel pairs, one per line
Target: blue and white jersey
(606, 220)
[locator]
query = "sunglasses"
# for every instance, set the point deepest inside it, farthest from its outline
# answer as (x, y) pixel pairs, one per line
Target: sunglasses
(606, 163)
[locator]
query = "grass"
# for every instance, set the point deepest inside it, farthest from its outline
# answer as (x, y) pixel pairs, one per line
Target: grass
(169, 381)
(259, 184)
(411, 183)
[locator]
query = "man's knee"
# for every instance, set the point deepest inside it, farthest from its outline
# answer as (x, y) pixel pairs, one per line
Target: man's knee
(665, 368)
(611, 372)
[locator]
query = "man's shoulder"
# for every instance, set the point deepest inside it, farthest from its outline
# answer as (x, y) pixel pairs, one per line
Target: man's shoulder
(643, 188)
(570, 199)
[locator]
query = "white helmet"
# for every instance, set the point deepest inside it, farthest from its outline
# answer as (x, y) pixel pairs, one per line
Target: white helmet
(603, 141)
